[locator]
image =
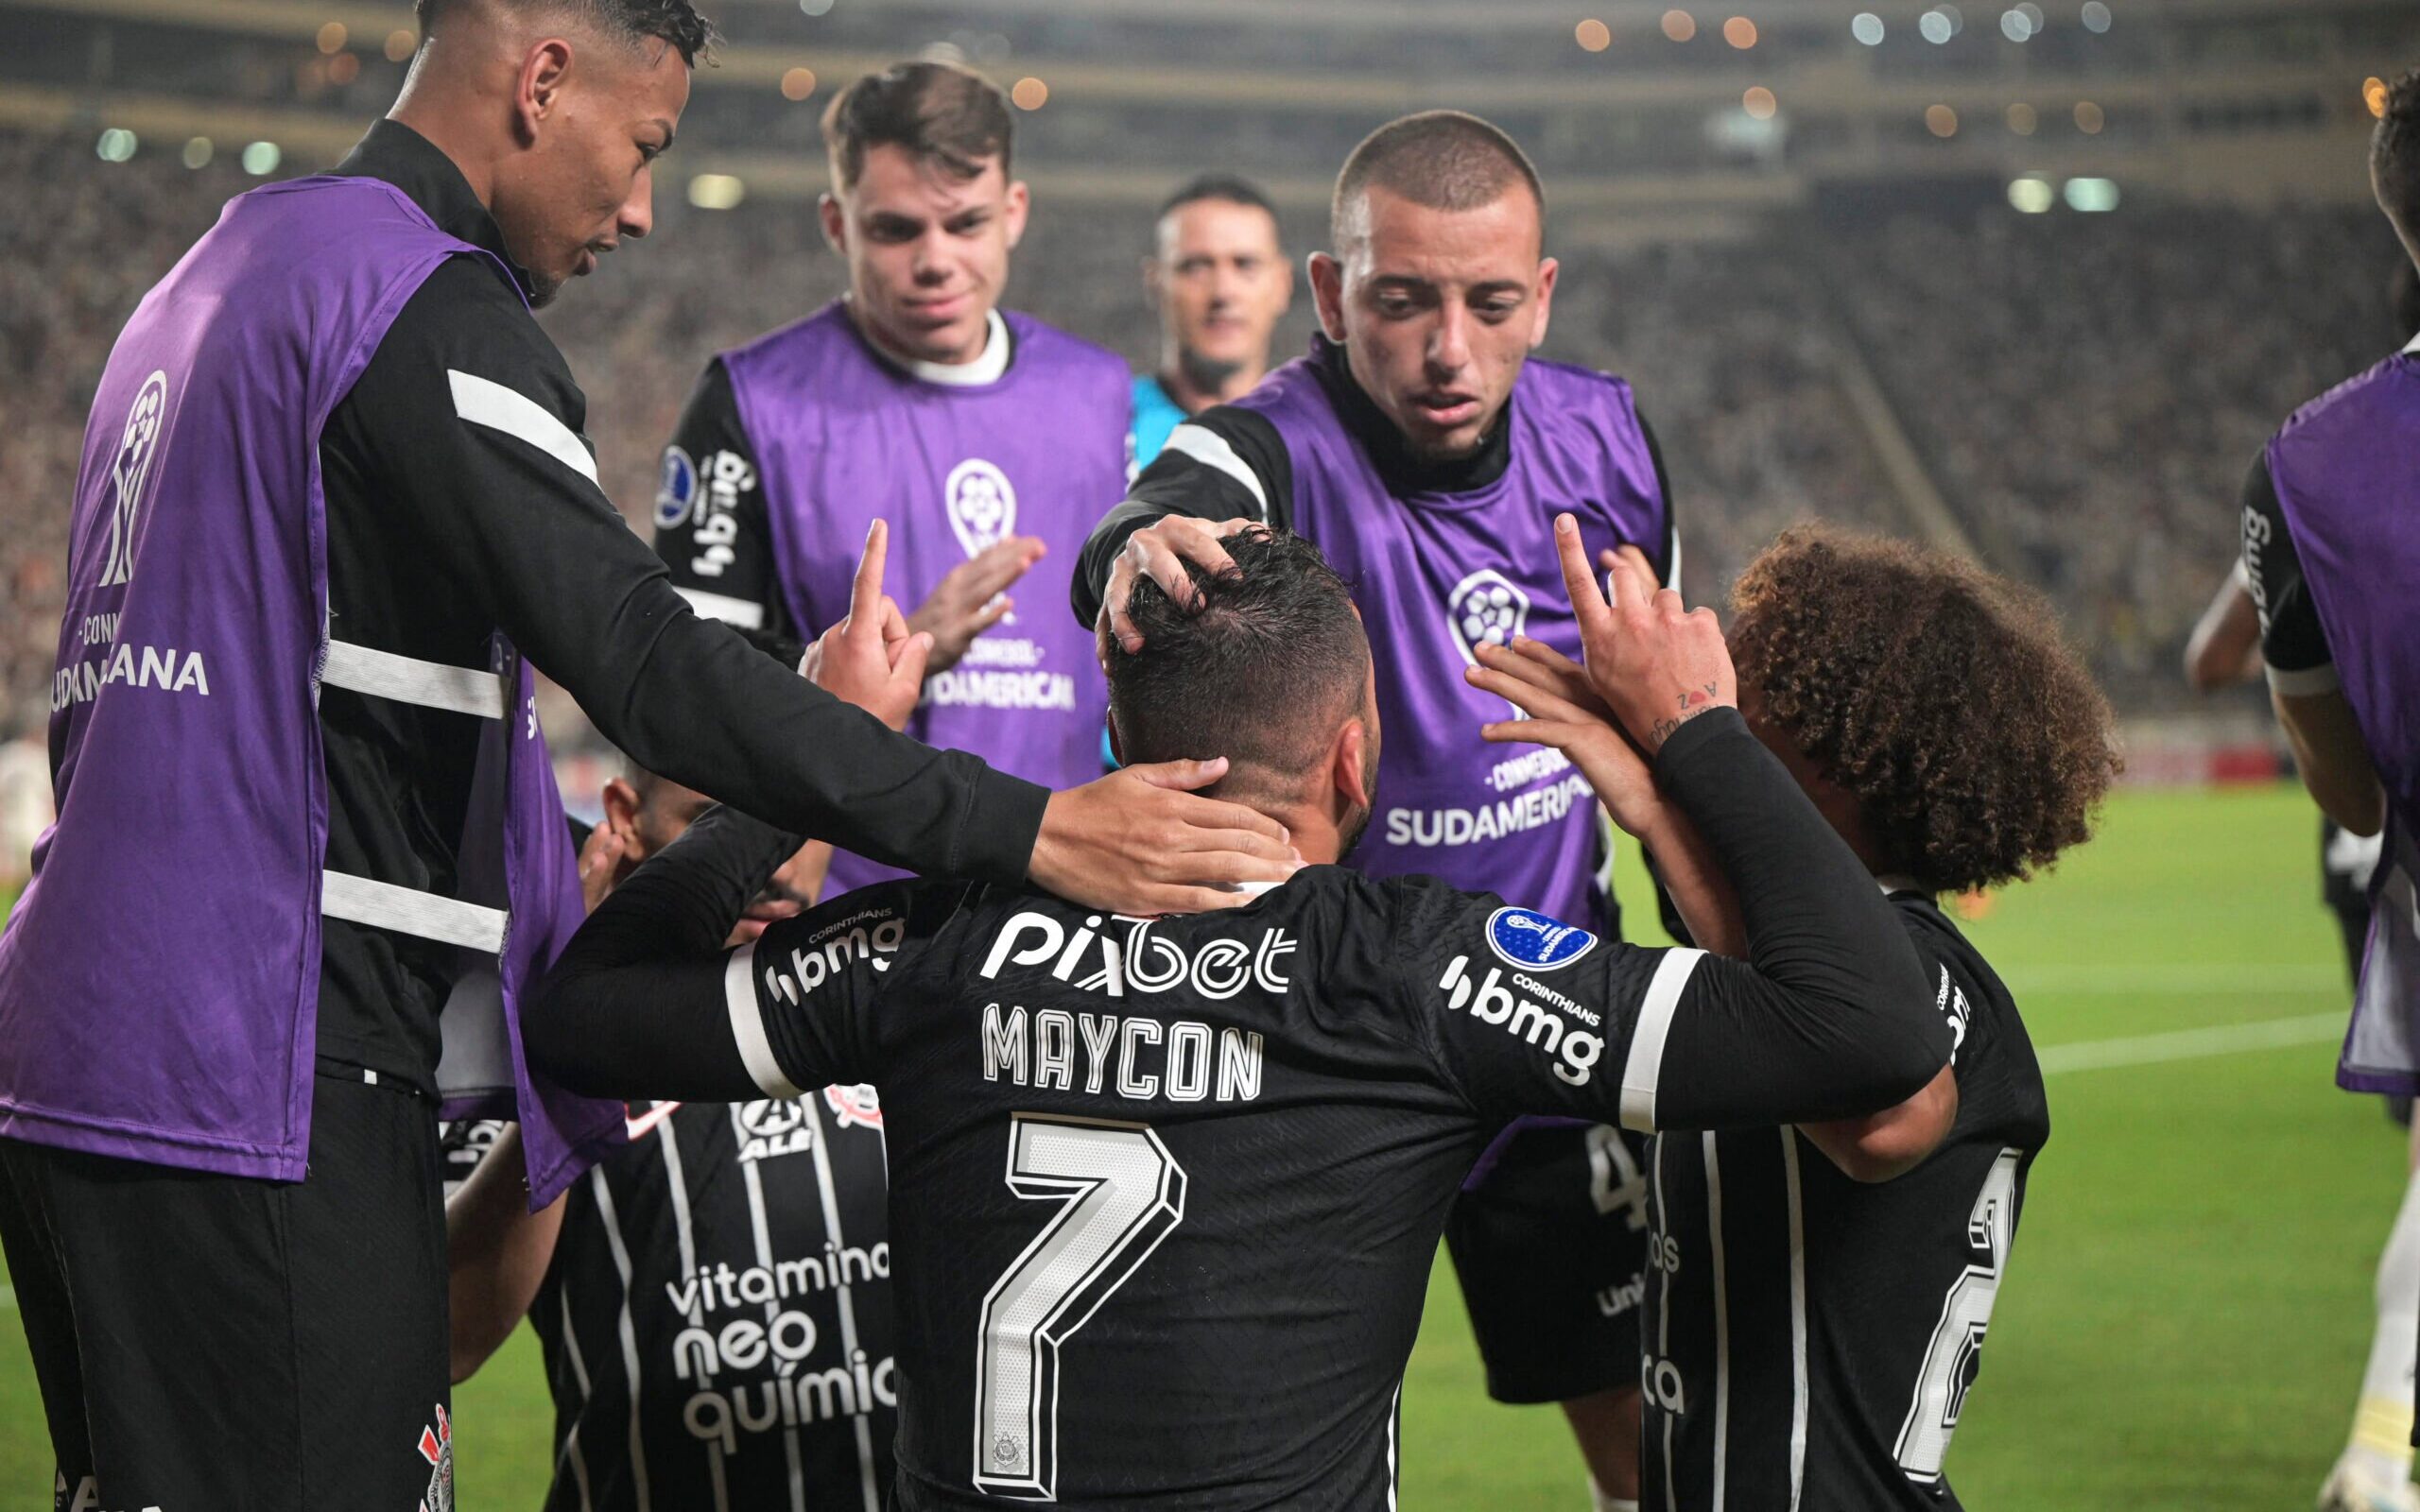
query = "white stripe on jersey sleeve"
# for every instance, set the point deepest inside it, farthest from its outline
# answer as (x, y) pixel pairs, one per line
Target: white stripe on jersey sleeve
(748, 1026)
(1644, 1070)
(2304, 682)
(1211, 449)
(485, 403)
(723, 606)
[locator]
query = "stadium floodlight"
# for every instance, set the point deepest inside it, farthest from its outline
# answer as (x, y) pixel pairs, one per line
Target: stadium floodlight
(262, 158)
(2034, 14)
(2095, 16)
(2092, 195)
(197, 151)
(1867, 28)
(2015, 26)
(117, 145)
(816, 8)
(717, 191)
(1935, 27)
(2031, 195)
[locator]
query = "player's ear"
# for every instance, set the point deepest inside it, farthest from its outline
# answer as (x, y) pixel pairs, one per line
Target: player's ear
(1347, 766)
(835, 222)
(538, 91)
(1019, 201)
(1327, 292)
(622, 809)
(1548, 268)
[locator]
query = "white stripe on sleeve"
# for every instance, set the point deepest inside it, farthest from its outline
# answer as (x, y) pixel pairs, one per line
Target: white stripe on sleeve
(485, 403)
(1211, 449)
(1645, 1068)
(2304, 682)
(723, 606)
(748, 1026)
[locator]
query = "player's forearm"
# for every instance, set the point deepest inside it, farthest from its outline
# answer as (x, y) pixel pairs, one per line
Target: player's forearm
(636, 1006)
(1832, 1016)
(1696, 886)
(496, 1254)
(2333, 759)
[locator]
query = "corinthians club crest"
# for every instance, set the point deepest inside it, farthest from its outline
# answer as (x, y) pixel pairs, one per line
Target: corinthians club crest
(127, 475)
(1486, 607)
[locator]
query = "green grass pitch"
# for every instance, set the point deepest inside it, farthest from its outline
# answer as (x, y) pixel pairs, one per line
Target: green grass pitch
(2188, 1301)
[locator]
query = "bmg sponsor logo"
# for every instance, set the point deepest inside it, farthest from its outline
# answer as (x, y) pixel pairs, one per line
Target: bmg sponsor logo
(1575, 1050)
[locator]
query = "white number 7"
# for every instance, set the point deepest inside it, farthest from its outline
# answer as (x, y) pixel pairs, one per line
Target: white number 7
(1957, 1338)
(1123, 1194)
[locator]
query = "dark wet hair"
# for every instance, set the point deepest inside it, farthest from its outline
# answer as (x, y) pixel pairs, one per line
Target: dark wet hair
(1258, 668)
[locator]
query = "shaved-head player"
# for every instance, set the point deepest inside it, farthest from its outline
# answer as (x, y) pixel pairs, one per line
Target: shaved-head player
(1428, 452)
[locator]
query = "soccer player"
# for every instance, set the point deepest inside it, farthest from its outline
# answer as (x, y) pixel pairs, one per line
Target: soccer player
(1166, 1193)
(2329, 557)
(1821, 1293)
(1428, 454)
(744, 1246)
(986, 438)
(332, 493)
(1219, 278)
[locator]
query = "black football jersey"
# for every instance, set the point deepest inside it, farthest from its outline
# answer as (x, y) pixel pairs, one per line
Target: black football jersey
(716, 1322)
(1166, 1193)
(1809, 1340)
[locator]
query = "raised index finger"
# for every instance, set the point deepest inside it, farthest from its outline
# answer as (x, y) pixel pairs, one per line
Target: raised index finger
(865, 593)
(1587, 604)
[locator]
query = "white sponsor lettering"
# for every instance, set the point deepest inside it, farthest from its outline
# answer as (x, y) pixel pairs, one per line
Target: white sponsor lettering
(793, 1401)
(1522, 770)
(965, 687)
(1533, 810)
(1218, 967)
(722, 477)
(833, 949)
(1491, 1002)
(713, 1287)
(1613, 1301)
(87, 1497)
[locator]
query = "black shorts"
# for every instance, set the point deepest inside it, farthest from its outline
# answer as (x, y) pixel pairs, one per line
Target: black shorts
(216, 1344)
(1551, 1249)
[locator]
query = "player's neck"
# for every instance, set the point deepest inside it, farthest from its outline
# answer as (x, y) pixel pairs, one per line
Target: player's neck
(984, 364)
(1197, 385)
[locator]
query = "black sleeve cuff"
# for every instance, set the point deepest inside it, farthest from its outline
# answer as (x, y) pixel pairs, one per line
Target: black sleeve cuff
(998, 842)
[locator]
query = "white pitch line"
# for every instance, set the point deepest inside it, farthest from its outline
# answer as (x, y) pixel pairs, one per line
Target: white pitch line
(2200, 977)
(2193, 1045)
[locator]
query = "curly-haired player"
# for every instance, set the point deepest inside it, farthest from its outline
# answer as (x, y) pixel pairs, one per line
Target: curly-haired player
(1820, 1292)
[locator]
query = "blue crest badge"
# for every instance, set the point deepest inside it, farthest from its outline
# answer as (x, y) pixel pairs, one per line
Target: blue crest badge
(1525, 938)
(676, 488)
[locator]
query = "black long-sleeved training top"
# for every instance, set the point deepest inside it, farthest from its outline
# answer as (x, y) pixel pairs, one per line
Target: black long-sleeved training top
(442, 529)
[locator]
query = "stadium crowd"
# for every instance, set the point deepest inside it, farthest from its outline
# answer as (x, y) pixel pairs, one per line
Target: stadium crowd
(2086, 389)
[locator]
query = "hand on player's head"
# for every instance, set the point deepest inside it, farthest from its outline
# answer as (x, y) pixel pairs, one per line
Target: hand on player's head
(871, 657)
(1159, 551)
(1656, 663)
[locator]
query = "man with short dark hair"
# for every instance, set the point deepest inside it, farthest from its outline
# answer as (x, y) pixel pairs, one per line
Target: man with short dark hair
(334, 505)
(1428, 454)
(986, 437)
(1166, 1193)
(1219, 279)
